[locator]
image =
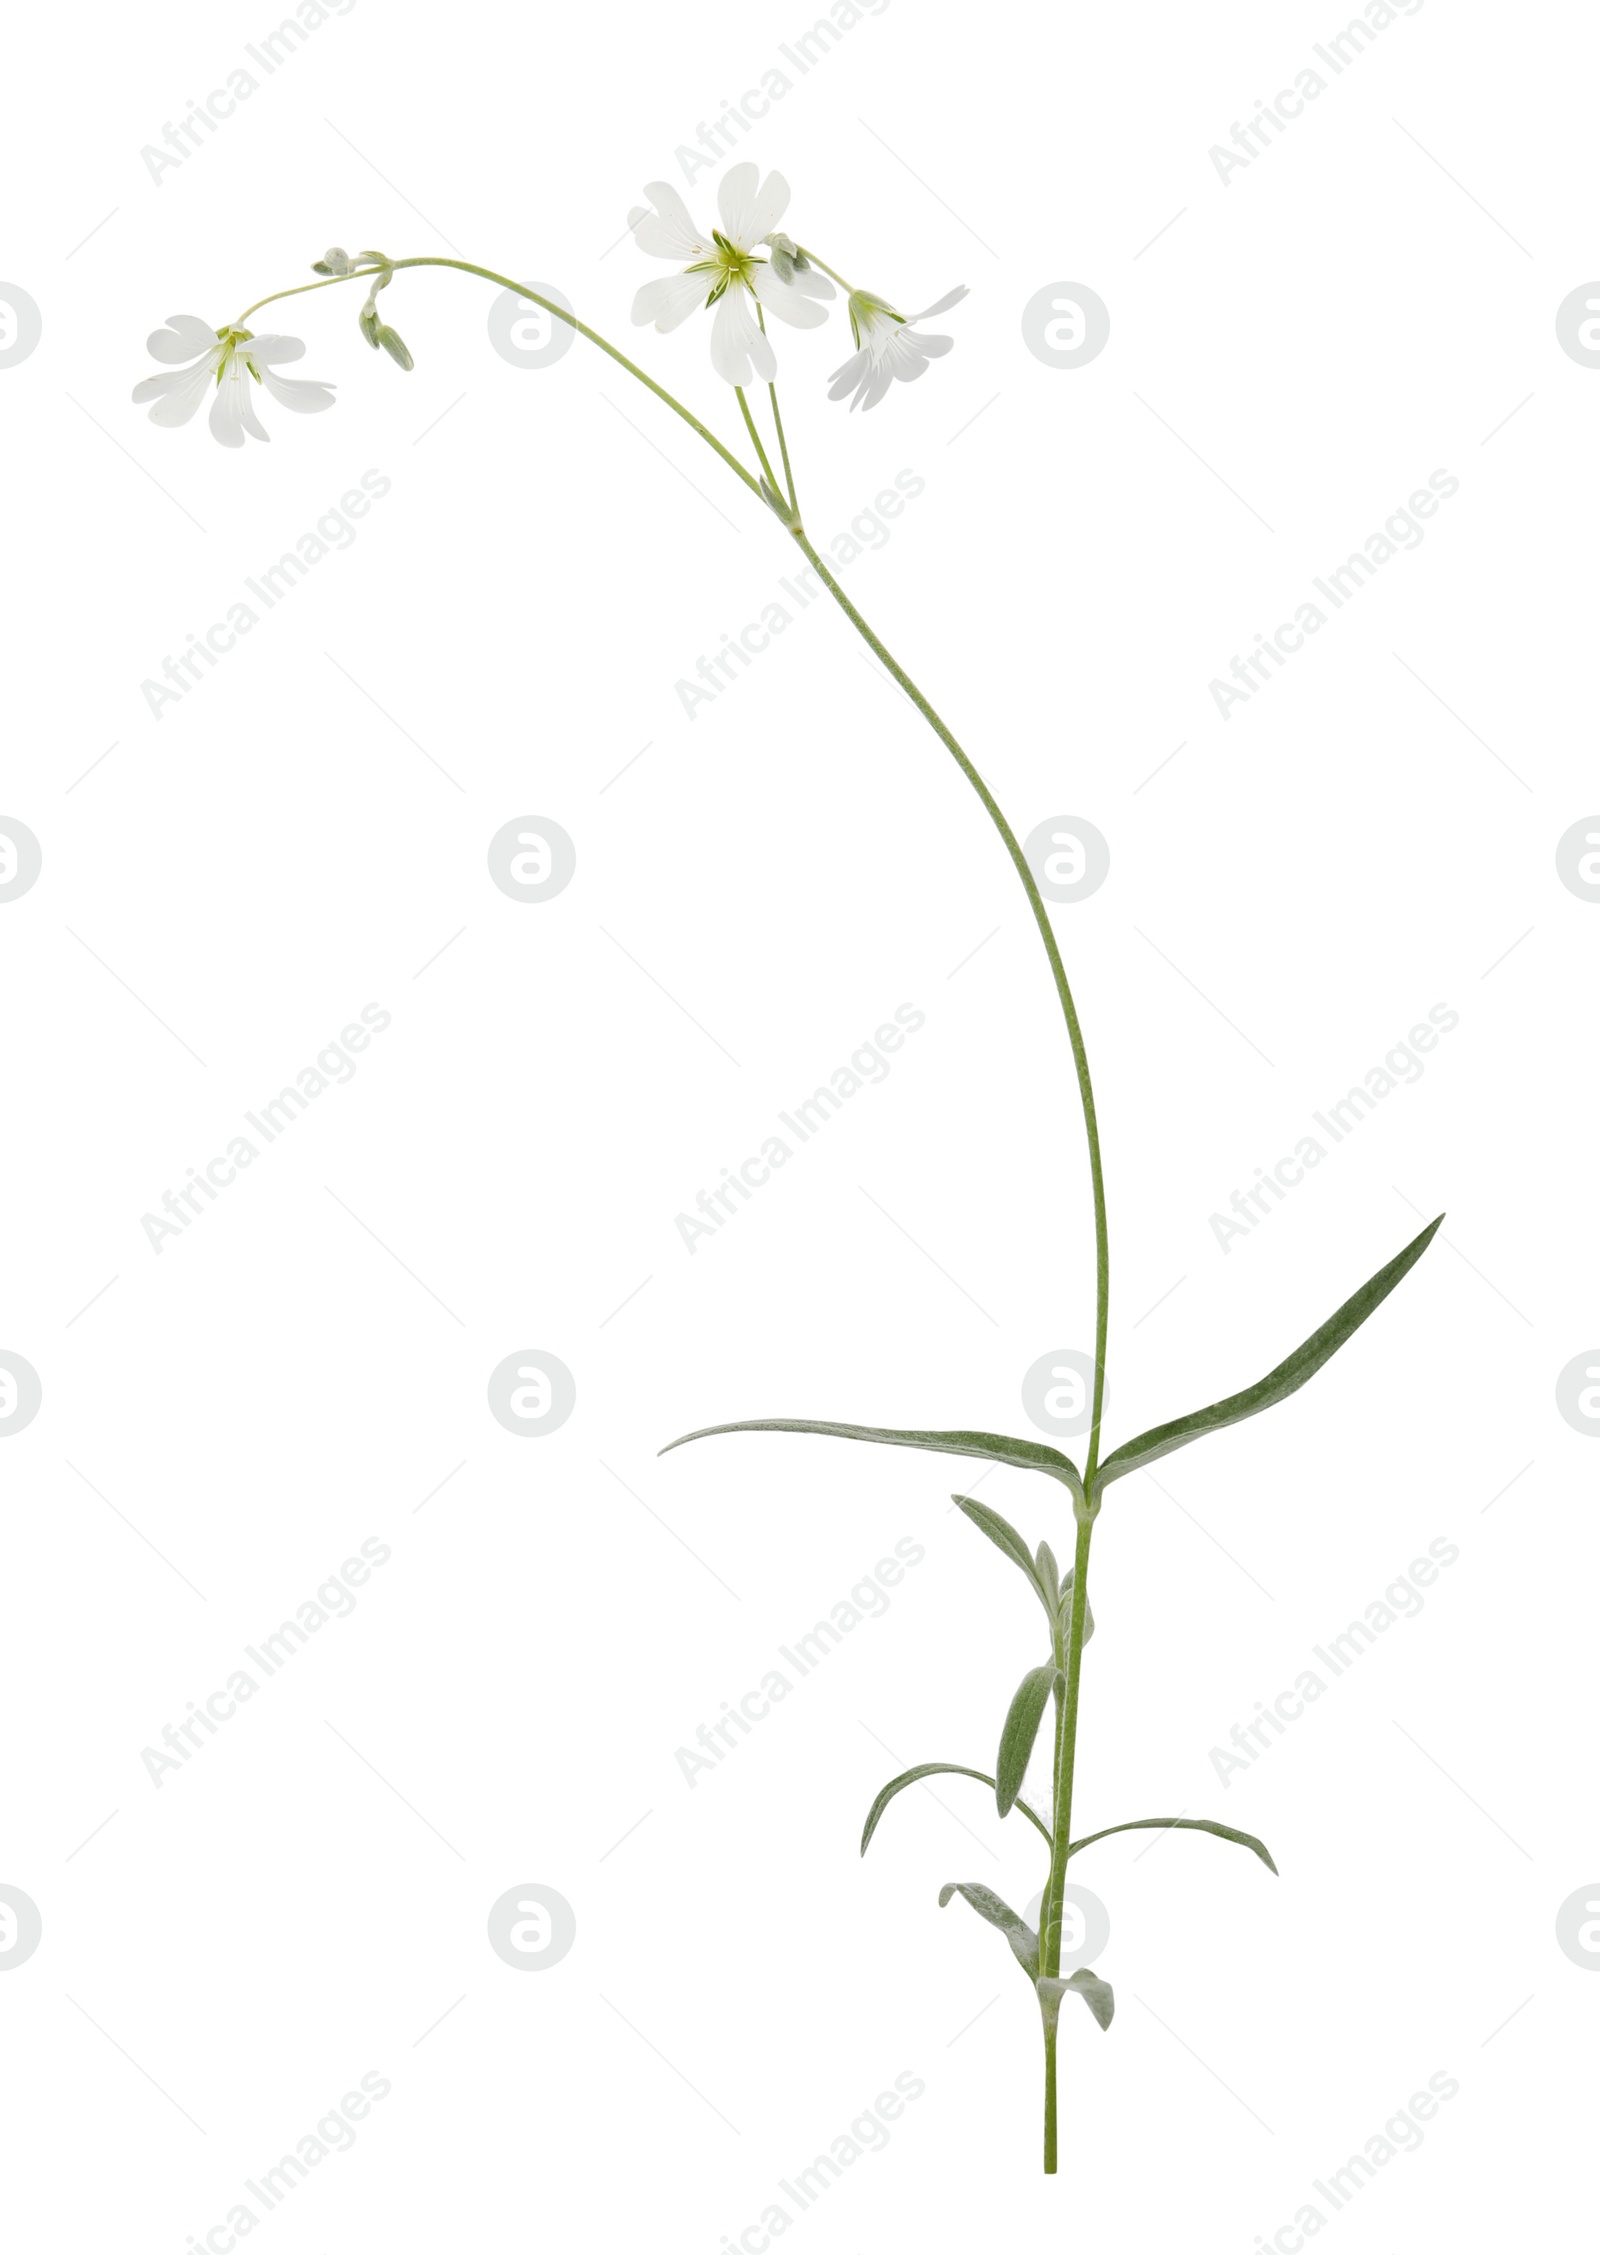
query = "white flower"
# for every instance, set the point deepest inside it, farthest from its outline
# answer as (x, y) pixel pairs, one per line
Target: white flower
(231, 360)
(891, 347)
(723, 271)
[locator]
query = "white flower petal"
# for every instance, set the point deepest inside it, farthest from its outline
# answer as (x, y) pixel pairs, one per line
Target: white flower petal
(783, 299)
(247, 413)
(231, 412)
(873, 389)
(668, 231)
(749, 212)
(846, 378)
(177, 396)
(811, 282)
(184, 335)
(738, 348)
(261, 350)
(950, 298)
(670, 299)
(305, 396)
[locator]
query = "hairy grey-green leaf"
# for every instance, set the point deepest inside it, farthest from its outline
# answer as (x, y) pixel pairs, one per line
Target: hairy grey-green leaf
(1095, 1993)
(1065, 1608)
(936, 1769)
(998, 1448)
(1020, 1729)
(1044, 1558)
(1180, 1824)
(1005, 1537)
(1024, 1941)
(1290, 1375)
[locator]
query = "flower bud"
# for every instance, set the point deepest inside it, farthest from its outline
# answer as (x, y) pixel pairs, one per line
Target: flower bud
(395, 346)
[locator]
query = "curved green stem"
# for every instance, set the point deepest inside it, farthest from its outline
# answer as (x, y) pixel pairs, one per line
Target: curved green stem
(331, 281)
(755, 437)
(1057, 971)
(826, 268)
(558, 313)
(1071, 1659)
(783, 449)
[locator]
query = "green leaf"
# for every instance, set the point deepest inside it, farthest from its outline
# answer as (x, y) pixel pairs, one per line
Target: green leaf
(1024, 1941)
(1020, 1730)
(1005, 1537)
(1025, 1456)
(1050, 1574)
(1066, 1607)
(937, 1769)
(1290, 1375)
(1095, 1993)
(1180, 1824)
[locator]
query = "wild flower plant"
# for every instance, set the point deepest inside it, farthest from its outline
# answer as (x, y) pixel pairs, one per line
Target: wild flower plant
(739, 272)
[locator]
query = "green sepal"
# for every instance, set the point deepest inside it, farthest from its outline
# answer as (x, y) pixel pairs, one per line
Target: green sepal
(395, 346)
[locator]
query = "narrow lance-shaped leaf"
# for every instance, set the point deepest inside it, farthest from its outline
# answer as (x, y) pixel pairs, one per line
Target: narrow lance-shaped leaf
(1024, 1941)
(938, 1769)
(1005, 1537)
(998, 1448)
(1044, 1558)
(1020, 1729)
(1290, 1375)
(1095, 1993)
(1180, 1824)
(1066, 1608)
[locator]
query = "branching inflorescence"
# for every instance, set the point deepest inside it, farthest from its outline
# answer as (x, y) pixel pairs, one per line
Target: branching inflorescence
(741, 271)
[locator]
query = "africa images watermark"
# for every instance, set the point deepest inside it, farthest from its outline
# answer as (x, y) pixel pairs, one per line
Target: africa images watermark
(1402, 2133)
(802, 53)
(188, 136)
(333, 529)
(1340, 51)
(868, 1064)
(333, 1064)
(1402, 1600)
(867, 531)
(867, 1601)
(334, 2133)
(1401, 1066)
(1345, 581)
(868, 2133)
(334, 1600)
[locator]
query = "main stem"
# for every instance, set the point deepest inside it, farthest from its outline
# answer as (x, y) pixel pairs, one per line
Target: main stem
(1057, 971)
(1070, 1661)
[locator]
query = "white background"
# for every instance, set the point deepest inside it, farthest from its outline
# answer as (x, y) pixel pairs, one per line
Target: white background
(305, 833)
